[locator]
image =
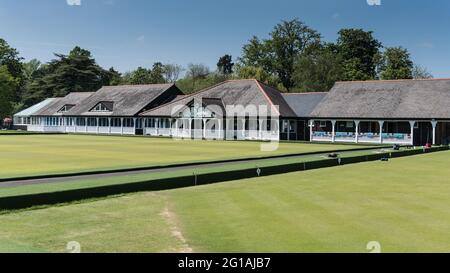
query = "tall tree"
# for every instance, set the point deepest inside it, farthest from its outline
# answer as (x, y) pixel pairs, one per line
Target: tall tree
(157, 73)
(30, 68)
(111, 77)
(420, 73)
(287, 41)
(172, 72)
(318, 70)
(256, 72)
(140, 76)
(196, 72)
(7, 87)
(225, 65)
(257, 54)
(359, 50)
(9, 57)
(75, 72)
(396, 64)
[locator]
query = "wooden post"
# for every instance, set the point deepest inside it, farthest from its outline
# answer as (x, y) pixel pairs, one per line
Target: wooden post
(412, 124)
(357, 131)
(434, 124)
(381, 124)
(333, 131)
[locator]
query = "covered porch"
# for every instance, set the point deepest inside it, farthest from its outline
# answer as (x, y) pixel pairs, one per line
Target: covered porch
(213, 128)
(401, 132)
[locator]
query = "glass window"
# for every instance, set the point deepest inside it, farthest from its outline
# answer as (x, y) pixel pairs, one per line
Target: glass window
(103, 122)
(116, 122)
(100, 108)
(128, 122)
(92, 122)
(66, 108)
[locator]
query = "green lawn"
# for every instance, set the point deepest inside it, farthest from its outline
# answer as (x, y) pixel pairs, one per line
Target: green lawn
(404, 204)
(49, 154)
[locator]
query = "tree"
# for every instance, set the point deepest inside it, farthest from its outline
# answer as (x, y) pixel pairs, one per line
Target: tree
(225, 65)
(359, 50)
(9, 57)
(257, 73)
(288, 40)
(318, 70)
(420, 72)
(76, 72)
(111, 77)
(186, 84)
(396, 64)
(172, 72)
(157, 73)
(196, 72)
(30, 68)
(140, 76)
(146, 76)
(257, 54)
(7, 86)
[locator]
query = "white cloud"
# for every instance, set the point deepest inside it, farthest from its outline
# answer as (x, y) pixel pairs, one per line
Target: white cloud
(73, 2)
(335, 16)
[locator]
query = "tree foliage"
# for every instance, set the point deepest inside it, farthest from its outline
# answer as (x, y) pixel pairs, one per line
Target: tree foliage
(318, 70)
(75, 72)
(396, 64)
(225, 65)
(10, 58)
(420, 72)
(359, 51)
(277, 55)
(172, 72)
(7, 86)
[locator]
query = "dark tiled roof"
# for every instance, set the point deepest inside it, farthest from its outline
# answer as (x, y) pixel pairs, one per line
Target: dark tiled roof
(401, 99)
(74, 98)
(233, 92)
(125, 100)
(304, 103)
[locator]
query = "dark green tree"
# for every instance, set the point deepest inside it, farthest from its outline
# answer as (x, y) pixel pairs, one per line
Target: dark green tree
(396, 64)
(225, 65)
(7, 87)
(157, 73)
(10, 58)
(277, 55)
(76, 72)
(359, 50)
(318, 70)
(112, 77)
(140, 76)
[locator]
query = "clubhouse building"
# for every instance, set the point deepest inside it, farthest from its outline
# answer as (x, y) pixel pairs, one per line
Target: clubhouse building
(410, 112)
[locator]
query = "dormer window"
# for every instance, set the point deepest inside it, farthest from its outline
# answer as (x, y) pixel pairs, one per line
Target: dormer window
(102, 107)
(66, 108)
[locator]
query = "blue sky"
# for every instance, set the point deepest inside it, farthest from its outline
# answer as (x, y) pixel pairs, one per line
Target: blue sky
(131, 33)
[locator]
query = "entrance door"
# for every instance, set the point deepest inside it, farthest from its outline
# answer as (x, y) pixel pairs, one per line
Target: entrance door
(423, 133)
(292, 130)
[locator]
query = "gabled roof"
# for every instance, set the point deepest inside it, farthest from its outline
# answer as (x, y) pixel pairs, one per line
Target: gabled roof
(74, 98)
(35, 108)
(232, 92)
(126, 100)
(304, 103)
(398, 99)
